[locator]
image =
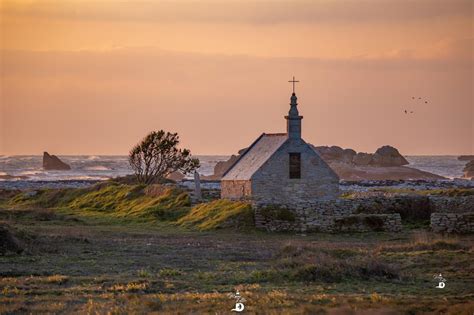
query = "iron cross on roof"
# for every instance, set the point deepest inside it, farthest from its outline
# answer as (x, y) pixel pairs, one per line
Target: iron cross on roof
(293, 81)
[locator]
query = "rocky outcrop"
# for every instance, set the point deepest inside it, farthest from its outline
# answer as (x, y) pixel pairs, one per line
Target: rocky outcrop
(388, 156)
(354, 172)
(469, 170)
(52, 162)
(384, 156)
(176, 176)
(385, 164)
(466, 158)
(330, 153)
(362, 158)
(221, 167)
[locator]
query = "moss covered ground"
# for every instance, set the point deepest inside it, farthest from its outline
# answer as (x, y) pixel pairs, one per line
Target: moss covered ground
(114, 249)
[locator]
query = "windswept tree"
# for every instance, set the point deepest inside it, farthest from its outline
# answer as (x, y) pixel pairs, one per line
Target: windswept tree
(157, 155)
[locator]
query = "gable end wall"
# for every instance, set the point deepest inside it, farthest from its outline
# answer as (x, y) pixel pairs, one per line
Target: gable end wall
(271, 183)
(236, 189)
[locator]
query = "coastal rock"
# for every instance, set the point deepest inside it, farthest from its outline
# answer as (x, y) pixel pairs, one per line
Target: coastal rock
(221, 167)
(52, 162)
(352, 172)
(348, 155)
(466, 158)
(176, 176)
(385, 164)
(330, 153)
(469, 170)
(388, 156)
(362, 158)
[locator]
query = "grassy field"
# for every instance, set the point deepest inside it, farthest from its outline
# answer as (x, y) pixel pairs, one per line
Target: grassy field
(87, 251)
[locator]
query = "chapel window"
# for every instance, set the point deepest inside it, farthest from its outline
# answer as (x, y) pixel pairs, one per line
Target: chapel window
(295, 165)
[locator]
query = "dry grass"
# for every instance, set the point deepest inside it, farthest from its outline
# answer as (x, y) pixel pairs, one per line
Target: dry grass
(310, 263)
(57, 279)
(89, 266)
(425, 241)
(220, 213)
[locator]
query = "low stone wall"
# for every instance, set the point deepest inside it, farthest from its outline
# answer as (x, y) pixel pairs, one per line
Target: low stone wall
(459, 204)
(327, 216)
(368, 222)
(364, 214)
(452, 222)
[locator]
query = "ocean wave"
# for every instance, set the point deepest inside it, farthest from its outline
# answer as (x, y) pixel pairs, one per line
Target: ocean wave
(97, 168)
(93, 158)
(37, 172)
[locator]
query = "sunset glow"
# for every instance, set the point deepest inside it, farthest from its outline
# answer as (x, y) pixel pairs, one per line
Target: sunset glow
(92, 77)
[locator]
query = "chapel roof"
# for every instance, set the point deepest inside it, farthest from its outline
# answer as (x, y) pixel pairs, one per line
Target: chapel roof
(257, 154)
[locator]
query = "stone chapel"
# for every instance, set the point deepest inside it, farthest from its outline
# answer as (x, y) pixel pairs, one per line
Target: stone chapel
(281, 169)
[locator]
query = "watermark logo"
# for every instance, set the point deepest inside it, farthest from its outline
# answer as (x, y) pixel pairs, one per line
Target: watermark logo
(441, 281)
(239, 302)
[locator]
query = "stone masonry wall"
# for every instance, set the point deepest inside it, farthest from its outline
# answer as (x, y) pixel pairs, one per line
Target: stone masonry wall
(452, 204)
(236, 189)
(453, 222)
(324, 216)
(363, 214)
(271, 183)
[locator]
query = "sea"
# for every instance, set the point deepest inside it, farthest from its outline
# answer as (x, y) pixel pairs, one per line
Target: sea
(102, 167)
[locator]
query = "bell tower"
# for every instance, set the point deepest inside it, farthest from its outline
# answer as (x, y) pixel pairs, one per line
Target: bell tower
(293, 120)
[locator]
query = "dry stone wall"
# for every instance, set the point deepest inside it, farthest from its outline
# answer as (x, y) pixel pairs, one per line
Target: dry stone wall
(452, 204)
(446, 214)
(452, 222)
(324, 216)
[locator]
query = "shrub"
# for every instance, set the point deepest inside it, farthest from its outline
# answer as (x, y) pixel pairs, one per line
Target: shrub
(303, 263)
(170, 272)
(157, 156)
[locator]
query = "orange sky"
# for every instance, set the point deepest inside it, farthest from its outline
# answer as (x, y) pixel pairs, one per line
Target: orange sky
(93, 77)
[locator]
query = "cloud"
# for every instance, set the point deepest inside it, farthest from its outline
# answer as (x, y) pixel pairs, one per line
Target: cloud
(244, 11)
(153, 63)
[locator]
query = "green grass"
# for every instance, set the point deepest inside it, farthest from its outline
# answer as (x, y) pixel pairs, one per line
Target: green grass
(120, 203)
(110, 200)
(219, 214)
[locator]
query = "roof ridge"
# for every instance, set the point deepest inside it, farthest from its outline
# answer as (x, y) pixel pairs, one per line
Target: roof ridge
(276, 134)
(242, 155)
